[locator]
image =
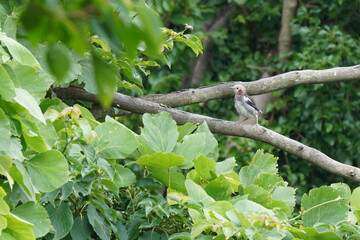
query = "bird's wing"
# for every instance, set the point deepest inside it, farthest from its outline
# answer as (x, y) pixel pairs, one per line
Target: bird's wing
(251, 102)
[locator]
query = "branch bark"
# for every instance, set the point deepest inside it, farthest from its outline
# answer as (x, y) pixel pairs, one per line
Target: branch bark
(257, 132)
(264, 85)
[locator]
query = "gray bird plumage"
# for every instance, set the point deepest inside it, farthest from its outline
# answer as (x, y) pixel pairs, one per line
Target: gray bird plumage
(245, 105)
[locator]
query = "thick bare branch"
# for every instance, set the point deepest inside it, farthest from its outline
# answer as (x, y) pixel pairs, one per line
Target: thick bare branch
(256, 132)
(264, 85)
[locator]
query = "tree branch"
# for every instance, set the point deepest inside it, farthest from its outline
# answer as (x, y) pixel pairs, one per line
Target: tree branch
(264, 85)
(257, 132)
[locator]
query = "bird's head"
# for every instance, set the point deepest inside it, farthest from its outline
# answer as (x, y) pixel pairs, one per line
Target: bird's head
(239, 89)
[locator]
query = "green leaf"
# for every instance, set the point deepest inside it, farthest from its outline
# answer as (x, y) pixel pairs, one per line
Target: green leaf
(323, 205)
(35, 214)
(199, 227)
(210, 149)
(81, 229)
(18, 51)
(31, 134)
(225, 166)
(205, 167)
(269, 181)
(285, 194)
(251, 208)
(197, 193)
(48, 170)
(106, 76)
(24, 98)
(265, 161)
(115, 140)
(159, 131)
(7, 90)
(98, 222)
(123, 177)
(219, 188)
(5, 132)
(190, 148)
(61, 218)
(160, 160)
(355, 198)
(22, 177)
(191, 41)
(5, 165)
(180, 236)
(177, 180)
(59, 61)
(248, 174)
(29, 79)
(17, 228)
(184, 130)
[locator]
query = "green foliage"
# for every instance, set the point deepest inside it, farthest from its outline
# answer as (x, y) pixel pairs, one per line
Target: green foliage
(66, 175)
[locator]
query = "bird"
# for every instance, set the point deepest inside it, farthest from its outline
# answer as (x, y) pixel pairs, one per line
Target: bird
(245, 105)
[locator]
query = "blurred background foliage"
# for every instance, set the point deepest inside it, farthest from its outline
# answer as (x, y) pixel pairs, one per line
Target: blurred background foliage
(325, 34)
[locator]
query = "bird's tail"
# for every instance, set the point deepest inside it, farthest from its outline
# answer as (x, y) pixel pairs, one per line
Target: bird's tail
(264, 115)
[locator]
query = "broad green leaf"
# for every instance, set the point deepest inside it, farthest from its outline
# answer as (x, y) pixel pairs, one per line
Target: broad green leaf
(312, 233)
(197, 193)
(29, 79)
(18, 51)
(123, 177)
(265, 161)
(210, 148)
(184, 130)
(22, 177)
(285, 194)
(106, 76)
(98, 222)
(85, 113)
(219, 188)
(17, 228)
(180, 236)
(191, 41)
(32, 135)
(48, 170)
(5, 132)
(4, 208)
(27, 101)
(159, 131)
(7, 89)
(249, 207)
(355, 198)
(14, 150)
(48, 133)
(205, 167)
(115, 140)
(61, 219)
(59, 61)
(177, 180)
(9, 13)
(199, 227)
(269, 181)
(36, 214)
(225, 166)
(190, 148)
(5, 165)
(160, 160)
(323, 205)
(150, 27)
(81, 229)
(248, 174)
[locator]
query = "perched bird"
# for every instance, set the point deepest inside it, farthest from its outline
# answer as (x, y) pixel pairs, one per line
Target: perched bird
(245, 105)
